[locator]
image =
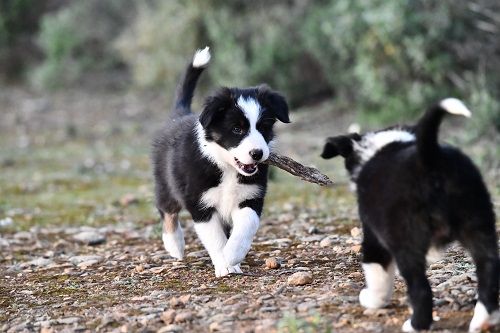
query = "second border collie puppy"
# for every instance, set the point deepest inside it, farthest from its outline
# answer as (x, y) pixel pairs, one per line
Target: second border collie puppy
(415, 195)
(211, 166)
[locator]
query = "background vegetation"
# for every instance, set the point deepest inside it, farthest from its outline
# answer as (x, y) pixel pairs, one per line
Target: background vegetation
(385, 59)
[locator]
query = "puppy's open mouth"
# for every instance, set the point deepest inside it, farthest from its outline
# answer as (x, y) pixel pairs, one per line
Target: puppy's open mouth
(249, 169)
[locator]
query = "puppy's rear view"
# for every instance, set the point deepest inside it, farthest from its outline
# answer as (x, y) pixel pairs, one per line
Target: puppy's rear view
(415, 195)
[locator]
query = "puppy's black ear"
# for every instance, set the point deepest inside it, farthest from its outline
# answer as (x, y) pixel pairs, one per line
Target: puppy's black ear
(339, 145)
(214, 105)
(273, 102)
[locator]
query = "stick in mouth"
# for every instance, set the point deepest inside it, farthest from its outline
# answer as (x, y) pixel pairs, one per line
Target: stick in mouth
(308, 174)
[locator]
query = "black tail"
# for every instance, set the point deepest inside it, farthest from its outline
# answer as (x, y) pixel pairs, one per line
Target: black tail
(185, 89)
(428, 127)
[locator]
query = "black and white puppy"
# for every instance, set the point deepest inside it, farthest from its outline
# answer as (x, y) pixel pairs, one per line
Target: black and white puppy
(211, 166)
(416, 196)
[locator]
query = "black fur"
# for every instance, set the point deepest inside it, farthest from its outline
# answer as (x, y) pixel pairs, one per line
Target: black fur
(418, 194)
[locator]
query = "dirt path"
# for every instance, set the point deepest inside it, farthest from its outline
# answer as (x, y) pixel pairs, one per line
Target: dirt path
(80, 248)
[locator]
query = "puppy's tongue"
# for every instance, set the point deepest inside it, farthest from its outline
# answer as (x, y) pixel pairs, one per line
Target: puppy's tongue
(247, 168)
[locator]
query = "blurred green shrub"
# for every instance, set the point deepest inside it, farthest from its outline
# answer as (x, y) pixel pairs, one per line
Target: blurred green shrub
(386, 59)
(77, 38)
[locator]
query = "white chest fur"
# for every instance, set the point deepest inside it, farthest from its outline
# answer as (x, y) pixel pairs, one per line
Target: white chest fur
(227, 196)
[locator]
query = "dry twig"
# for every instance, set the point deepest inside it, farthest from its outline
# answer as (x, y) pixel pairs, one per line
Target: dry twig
(308, 174)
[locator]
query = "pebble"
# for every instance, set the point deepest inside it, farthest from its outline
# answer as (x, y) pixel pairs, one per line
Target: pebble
(214, 327)
(326, 242)
(68, 320)
(355, 232)
(170, 328)
(39, 262)
(90, 237)
(168, 316)
(6, 222)
(311, 239)
(183, 317)
(300, 279)
(85, 261)
(272, 263)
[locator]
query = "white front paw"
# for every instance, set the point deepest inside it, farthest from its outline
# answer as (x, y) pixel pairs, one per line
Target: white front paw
(482, 320)
(407, 326)
(234, 255)
(372, 299)
(223, 270)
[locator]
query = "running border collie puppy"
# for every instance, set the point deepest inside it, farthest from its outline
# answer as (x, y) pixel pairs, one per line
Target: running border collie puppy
(211, 166)
(415, 196)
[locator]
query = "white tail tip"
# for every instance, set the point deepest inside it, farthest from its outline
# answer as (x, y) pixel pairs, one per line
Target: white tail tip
(455, 106)
(354, 128)
(201, 57)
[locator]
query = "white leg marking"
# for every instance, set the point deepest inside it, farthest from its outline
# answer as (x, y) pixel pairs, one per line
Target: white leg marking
(173, 237)
(433, 254)
(245, 225)
(407, 326)
(213, 238)
(379, 285)
(482, 319)
(174, 243)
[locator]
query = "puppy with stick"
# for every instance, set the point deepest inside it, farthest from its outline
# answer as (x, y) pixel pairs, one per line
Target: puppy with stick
(212, 165)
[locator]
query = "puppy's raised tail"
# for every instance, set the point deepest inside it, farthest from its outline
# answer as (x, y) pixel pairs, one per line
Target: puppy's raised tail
(187, 85)
(428, 127)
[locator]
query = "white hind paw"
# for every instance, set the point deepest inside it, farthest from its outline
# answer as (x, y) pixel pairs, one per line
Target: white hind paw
(174, 243)
(482, 320)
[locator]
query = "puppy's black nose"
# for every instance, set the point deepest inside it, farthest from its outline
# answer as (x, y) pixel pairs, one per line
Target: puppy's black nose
(256, 154)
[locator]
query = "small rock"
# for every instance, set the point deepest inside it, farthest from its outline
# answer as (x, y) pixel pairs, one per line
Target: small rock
(312, 230)
(170, 328)
(272, 263)
(326, 242)
(300, 278)
(311, 239)
(179, 301)
(355, 232)
(23, 235)
(68, 320)
(128, 199)
(376, 312)
(6, 222)
(183, 317)
(39, 262)
(85, 261)
(356, 248)
(214, 327)
(168, 316)
(90, 238)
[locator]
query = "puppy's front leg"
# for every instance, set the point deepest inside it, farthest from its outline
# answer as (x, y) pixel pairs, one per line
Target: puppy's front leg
(211, 234)
(245, 225)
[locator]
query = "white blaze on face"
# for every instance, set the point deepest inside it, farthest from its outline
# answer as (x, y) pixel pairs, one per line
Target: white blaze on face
(254, 139)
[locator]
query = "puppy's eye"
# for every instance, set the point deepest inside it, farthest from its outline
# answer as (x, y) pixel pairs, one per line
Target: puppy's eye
(237, 130)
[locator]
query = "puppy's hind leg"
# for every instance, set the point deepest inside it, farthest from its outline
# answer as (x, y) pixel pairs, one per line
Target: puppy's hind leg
(379, 269)
(482, 245)
(412, 266)
(172, 235)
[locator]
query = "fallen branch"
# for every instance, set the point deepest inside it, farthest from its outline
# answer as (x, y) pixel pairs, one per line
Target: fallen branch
(308, 174)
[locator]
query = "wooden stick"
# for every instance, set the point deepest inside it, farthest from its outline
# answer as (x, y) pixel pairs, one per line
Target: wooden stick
(308, 174)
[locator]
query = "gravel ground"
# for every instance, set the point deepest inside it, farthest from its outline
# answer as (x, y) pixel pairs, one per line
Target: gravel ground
(104, 268)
